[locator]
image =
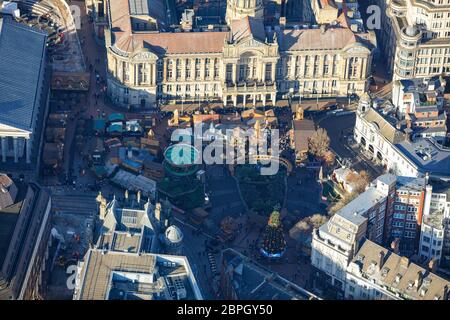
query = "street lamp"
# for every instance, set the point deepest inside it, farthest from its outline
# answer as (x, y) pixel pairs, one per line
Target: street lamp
(182, 105)
(299, 93)
(291, 93)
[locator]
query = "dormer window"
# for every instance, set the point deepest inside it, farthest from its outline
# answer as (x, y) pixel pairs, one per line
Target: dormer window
(423, 292)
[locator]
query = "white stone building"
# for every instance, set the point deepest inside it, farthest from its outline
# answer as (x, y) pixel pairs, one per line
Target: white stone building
(417, 35)
(335, 243)
(24, 92)
(242, 63)
(392, 143)
(435, 232)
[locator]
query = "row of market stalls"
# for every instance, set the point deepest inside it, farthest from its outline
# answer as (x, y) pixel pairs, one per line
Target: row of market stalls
(116, 125)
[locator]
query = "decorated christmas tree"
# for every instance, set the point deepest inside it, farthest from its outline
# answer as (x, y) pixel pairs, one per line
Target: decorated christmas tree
(273, 242)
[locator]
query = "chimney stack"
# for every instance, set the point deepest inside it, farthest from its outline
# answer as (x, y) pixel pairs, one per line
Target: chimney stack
(158, 212)
(381, 259)
(419, 279)
(432, 265)
(395, 245)
(404, 262)
(408, 133)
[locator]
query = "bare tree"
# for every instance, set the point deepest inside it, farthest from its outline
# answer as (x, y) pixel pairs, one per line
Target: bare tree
(343, 202)
(318, 143)
(359, 180)
(306, 225)
(316, 220)
(329, 158)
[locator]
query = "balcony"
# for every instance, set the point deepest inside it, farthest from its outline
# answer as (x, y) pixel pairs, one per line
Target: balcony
(250, 86)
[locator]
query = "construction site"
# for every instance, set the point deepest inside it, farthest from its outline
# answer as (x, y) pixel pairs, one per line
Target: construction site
(73, 232)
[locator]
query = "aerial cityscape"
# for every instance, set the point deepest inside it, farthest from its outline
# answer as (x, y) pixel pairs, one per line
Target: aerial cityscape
(250, 150)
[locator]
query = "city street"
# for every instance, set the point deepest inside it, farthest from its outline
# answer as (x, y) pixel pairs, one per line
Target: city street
(340, 131)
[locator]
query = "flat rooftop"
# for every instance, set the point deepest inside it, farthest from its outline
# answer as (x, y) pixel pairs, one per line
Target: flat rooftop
(361, 204)
(8, 220)
(107, 275)
(427, 155)
(254, 282)
(22, 65)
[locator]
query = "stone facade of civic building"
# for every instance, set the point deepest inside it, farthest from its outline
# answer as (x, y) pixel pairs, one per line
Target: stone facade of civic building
(415, 37)
(243, 62)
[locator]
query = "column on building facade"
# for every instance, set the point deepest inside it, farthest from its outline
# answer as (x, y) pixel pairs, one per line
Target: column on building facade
(4, 145)
(16, 150)
(211, 68)
(28, 149)
(193, 69)
(302, 66)
(263, 73)
(183, 69)
(119, 72)
(133, 74)
(114, 68)
(152, 73)
(244, 99)
(165, 64)
(321, 65)
(202, 69)
(235, 100)
(293, 67)
(254, 100)
(235, 79)
(148, 71)
(274, 69)
(363, 68)
(264, 99)
(258, 70)
(346, 66)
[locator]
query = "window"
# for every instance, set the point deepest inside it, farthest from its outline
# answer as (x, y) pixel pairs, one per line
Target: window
(216, 68)
(326, 65)
(353, 69)
(268, 76)
(229, 72)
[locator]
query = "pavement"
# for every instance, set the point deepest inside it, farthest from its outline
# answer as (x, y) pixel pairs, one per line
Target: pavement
(304, 194)
(340, 129)
(223, 193)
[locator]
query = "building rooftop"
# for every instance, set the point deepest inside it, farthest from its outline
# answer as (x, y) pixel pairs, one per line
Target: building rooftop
(398, 274)
(411, 183)
(21, 72)
(8, 218)
(252, 281)
(385, 127)
(20, 227)
(361, 204)
(427, 155)
(303, 130)
(106, 275)
(163, 40)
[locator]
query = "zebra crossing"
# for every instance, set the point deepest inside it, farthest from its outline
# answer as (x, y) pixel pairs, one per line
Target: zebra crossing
(212, 263)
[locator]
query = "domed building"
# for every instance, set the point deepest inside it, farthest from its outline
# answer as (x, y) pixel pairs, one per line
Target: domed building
(173, 238)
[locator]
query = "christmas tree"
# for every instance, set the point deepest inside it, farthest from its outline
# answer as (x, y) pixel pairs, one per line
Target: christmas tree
(273, 242)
